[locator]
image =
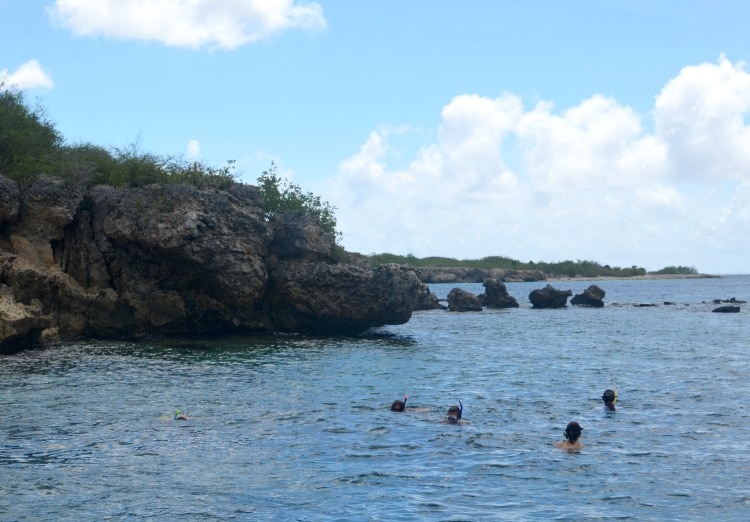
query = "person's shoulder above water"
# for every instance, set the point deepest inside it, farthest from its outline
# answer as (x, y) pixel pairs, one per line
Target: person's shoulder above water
(572, 433)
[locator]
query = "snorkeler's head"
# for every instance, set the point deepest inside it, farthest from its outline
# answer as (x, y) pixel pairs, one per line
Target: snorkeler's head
(573, 431)
(609, 396)
(454, 413)
(398, 405)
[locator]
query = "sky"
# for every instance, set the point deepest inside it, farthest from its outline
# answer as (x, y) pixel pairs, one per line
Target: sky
(614, 131)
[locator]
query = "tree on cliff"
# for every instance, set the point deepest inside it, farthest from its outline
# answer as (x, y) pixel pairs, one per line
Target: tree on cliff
(281, 195)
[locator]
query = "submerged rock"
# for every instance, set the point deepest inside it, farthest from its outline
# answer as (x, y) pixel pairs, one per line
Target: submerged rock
(727, 309)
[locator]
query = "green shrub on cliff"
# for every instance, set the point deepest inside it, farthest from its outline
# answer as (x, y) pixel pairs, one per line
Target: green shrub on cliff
(30, 147)
(281, 195)
(29, 143)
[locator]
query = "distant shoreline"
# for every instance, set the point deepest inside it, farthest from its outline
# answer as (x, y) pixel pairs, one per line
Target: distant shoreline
(640, 277)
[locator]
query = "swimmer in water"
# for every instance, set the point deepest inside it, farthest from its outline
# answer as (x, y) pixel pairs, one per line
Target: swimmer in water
(399, 405)
(572, 434)
(610, 398)
(455, 413)
(178, 415)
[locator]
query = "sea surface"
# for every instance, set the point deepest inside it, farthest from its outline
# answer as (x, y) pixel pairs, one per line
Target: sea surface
(299, 428)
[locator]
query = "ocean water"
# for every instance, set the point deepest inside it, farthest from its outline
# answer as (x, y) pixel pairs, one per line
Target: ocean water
(299, 428)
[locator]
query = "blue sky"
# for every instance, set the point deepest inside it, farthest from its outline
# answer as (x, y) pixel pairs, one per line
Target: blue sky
(615, 131)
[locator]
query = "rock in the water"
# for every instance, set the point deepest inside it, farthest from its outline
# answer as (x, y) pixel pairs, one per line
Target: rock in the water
(496, 295)
(462, 301)
(593, 296)
(549, 297)
(728, 309)
(426, 300)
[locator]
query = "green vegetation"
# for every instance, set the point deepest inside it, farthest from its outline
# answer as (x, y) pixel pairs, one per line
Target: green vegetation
(560, 269)
(281, 195)
(30, 147)
(677, 270)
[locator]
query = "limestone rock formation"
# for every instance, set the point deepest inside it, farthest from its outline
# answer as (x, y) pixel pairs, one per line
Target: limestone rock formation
(426, 300)
(549, 297)
(21, 325)
(460, 300)
(593, 296)
(496, 295)
(476, 275)
(176, 259)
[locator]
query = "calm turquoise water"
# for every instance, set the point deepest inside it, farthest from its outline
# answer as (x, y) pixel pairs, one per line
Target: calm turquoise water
(299, 428)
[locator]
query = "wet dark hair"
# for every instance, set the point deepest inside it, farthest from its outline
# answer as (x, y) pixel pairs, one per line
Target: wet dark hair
(609, 399)
(398, 405)
(454, 413)
(572, 431)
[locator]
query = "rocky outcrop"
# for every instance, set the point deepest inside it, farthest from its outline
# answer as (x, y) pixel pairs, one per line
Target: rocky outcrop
(727, 309)
(496, 295)
(549, 297)
(426, 300)
(175, 259)
(593, 296)
(21, 326)
(460, 300)
(476, 275)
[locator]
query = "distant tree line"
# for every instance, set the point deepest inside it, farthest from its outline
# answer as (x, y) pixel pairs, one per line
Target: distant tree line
(559, 269)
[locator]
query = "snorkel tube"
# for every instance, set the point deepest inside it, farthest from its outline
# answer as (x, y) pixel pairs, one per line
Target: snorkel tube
(461, 409)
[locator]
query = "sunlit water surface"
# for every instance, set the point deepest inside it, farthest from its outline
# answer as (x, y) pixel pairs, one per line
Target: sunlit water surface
(299, 428)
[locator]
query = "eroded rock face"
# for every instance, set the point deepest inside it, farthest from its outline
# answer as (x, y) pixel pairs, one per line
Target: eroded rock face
(426, 300)
(21, 325)
(9, 200)
(593, 296)
(174, 259)
(321, 297)
(549, 297)
(496, 295)
(460, 300)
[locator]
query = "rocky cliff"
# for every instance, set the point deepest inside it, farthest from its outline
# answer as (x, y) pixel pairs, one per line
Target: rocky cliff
(476, 275)
(176, 259)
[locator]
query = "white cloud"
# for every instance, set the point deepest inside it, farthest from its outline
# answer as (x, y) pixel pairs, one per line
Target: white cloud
(700, 117)
(588, 182)
(224, 24)
(193, 150)
(30, 75)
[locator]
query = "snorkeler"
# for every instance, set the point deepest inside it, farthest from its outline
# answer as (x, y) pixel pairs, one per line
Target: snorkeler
(572, 434)
(455, 413)
(610, 398)
(399, 405)
(179, 415)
